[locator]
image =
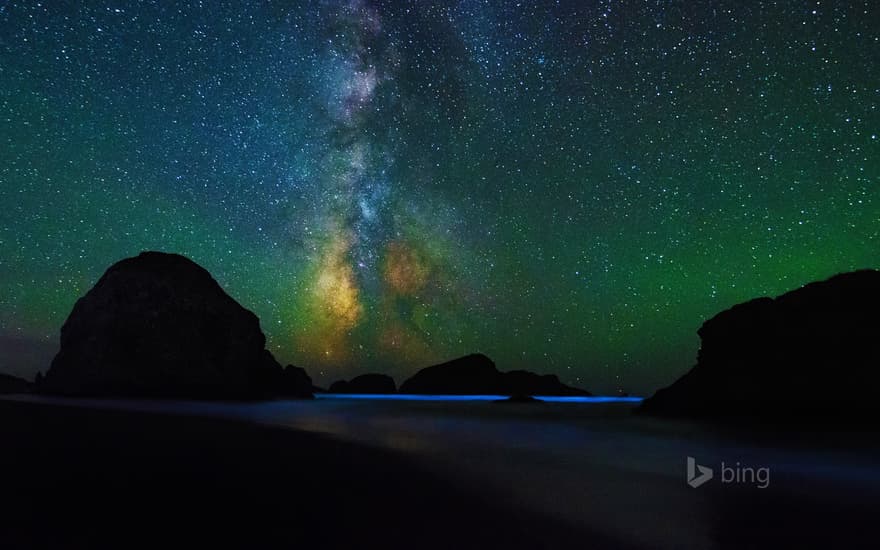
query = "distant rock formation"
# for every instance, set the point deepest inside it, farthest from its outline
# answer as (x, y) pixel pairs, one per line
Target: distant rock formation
(293, 382)
(811, 351)
(365, 383)
(519, 398)
(476, 375)
(13, 384)
(158, 325)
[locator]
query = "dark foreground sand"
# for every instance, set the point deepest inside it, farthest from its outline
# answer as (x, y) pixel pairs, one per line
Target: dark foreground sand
(345, 473)
(80, 478)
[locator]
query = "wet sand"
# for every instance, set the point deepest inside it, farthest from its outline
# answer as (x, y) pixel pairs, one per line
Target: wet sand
(423, 474)
(83, 478)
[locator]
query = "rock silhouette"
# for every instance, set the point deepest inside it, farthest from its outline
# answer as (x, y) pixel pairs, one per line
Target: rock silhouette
(295, 381)
(13, 384)
(811, 351)
(158, 325)
(365, 383)
(519, 398)
(476, 374)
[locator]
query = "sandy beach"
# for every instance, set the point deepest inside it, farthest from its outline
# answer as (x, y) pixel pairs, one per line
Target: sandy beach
(415, 474)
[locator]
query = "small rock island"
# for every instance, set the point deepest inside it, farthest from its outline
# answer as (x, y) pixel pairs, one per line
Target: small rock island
(476, 374)
(371, 383)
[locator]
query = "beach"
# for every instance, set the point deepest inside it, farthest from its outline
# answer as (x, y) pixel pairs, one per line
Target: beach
(342, 472)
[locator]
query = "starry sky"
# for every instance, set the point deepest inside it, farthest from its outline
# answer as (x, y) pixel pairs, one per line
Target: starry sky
(569, 187)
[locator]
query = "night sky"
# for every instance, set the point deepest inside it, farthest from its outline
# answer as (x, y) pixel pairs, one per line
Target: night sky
(568, 187)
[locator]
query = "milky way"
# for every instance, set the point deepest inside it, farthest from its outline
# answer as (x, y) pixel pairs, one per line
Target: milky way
(568, 187)
(369, 294)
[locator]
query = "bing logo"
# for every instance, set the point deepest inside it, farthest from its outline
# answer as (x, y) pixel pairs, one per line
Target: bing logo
(697, 475)
(693, 479)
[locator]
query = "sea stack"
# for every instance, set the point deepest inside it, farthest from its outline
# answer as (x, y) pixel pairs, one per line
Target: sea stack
(370, 383)
(476, 374)
(810, 352)
(158, 325)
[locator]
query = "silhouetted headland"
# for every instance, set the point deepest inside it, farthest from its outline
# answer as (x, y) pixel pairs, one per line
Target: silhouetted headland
(158, 325)
(13, 384)
(476, 374)
(365, 383)
(810, 352)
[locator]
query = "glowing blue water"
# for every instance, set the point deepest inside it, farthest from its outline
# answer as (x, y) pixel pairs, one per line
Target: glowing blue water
(417, 397)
